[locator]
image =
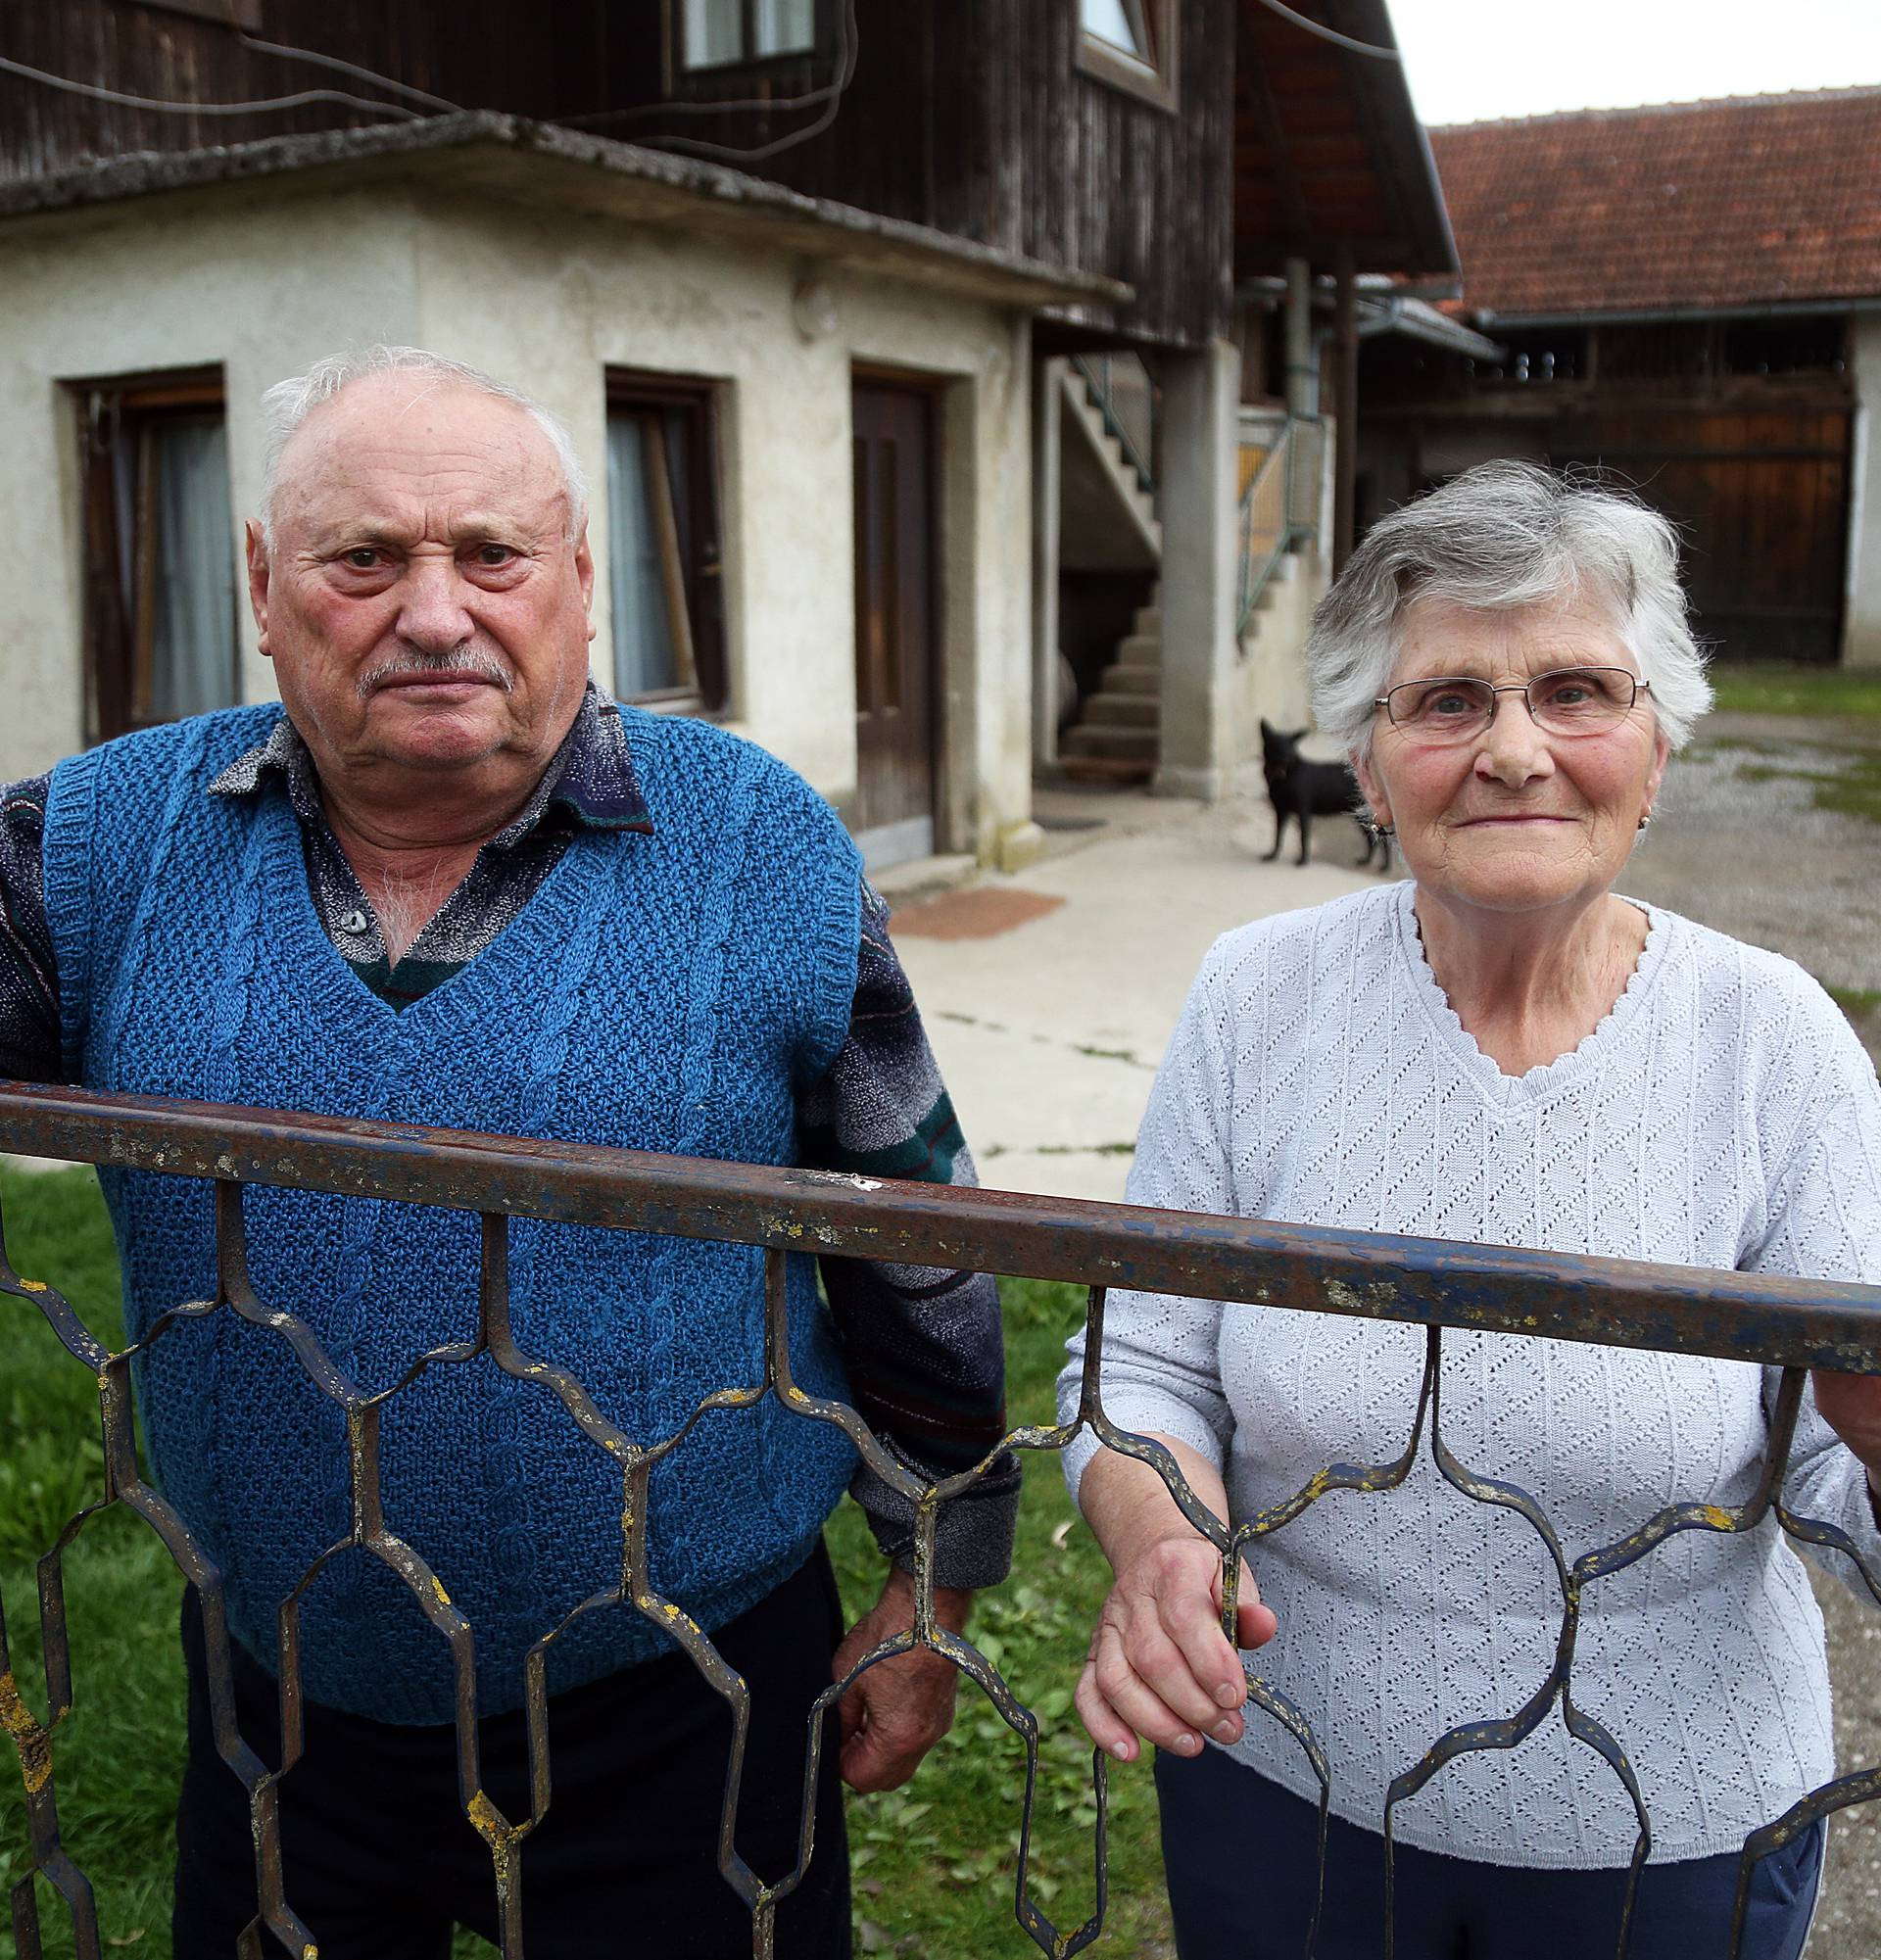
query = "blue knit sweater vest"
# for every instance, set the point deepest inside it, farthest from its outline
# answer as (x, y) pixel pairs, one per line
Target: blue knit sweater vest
(672, 993)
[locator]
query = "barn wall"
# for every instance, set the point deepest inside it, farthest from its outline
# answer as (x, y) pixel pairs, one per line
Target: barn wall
(1753, 468)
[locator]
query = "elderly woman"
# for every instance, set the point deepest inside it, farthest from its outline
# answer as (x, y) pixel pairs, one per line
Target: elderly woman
(1504, 1050)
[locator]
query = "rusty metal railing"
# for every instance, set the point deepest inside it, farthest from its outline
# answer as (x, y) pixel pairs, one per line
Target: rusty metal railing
(1796, 1324)
(1122, 391)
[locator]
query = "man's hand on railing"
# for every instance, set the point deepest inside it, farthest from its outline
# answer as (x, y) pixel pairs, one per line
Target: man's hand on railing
(1159, 1666)
(897, 1711)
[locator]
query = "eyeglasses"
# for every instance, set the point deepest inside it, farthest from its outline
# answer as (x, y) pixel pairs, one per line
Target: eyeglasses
(1455, 707)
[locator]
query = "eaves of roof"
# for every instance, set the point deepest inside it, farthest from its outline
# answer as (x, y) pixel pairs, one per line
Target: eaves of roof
(1650, 316)
(1416, 320)
(1329, 155)
(481, 152)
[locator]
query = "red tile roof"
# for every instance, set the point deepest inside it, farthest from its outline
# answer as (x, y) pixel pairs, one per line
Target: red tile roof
(1751, 201)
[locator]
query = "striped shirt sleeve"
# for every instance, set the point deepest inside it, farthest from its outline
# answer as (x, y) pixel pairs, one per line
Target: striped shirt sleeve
(29, 1041)
(923, 1345)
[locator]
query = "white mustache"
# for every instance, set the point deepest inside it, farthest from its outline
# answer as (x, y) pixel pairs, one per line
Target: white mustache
(457, 660)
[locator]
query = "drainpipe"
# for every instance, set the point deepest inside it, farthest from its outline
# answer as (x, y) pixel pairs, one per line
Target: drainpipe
(1345, 475)
(1302, 370)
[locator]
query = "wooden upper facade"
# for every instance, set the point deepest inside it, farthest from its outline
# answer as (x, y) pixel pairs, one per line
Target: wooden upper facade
(1006, 122)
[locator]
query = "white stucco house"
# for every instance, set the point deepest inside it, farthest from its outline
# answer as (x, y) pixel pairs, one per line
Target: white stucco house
(705, 337)
(830, 374)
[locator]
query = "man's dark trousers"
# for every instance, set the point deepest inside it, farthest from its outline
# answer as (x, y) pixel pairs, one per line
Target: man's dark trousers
(380, 1861)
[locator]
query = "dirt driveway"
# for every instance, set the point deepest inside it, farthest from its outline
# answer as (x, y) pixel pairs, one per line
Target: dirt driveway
(1771, 829)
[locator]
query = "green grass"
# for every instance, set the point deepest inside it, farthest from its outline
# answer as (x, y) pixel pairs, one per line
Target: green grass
(119, 1756)
(933, 1863)
(942, 1852)
(1774, 689)
(1855, 1001)
(1854, 789)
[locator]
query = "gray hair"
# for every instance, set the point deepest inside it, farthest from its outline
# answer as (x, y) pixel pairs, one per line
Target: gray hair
(1500, 536)
(288, 404)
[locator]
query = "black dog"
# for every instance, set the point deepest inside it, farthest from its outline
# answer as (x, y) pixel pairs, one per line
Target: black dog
(1303, 790)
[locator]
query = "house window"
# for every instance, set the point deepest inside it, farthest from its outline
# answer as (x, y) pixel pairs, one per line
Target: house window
(1130, 44)
(1121, 23)
(723, 33)
(668, 617)
(161, 595)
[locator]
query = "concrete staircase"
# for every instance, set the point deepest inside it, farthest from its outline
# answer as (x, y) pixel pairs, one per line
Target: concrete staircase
(1110, 494)
(1118, 738)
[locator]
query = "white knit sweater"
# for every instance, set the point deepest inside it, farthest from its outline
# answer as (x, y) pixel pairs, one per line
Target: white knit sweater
(1723, 1115)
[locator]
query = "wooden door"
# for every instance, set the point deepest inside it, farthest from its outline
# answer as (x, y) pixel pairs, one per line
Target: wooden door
(894, 622)
(1762, 499)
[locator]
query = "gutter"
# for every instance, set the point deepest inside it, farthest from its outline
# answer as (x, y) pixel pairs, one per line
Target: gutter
(1272, 286)
(1650, 316)
(1418, 321)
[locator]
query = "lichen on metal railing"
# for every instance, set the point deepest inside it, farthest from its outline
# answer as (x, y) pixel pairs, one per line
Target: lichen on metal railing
(1795, 1324)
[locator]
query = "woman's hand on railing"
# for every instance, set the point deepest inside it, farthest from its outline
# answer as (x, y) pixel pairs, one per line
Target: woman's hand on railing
(1159, 1666)
(1850, 1405)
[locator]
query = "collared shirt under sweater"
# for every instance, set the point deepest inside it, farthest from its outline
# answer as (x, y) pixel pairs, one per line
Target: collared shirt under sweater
(923, 1346)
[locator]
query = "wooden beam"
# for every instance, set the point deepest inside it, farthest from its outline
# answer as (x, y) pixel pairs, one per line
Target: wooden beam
(1275, 154)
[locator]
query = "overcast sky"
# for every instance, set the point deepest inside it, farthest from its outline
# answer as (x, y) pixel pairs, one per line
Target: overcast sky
(1472, 59)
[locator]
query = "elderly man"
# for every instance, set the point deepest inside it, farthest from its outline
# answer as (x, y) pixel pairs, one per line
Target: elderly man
(454, 884)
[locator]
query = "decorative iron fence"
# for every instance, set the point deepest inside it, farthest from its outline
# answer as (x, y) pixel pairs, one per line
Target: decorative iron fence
(1791, 1323)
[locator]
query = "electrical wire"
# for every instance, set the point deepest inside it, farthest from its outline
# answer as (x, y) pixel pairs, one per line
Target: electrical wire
(849, 53)
(168, 108)
(753, 102)
(353, 68)
(1331, 34)
(712, 108)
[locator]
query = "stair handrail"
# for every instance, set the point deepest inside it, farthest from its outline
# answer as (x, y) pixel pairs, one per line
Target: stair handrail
(1101, 386)
(1261, 549)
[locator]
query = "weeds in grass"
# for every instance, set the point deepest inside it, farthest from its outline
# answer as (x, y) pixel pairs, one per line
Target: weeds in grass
(1856, 1002)
(1853, 789)
(1110, 1054)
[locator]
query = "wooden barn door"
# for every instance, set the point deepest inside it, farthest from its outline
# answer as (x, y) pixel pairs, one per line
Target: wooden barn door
(894, 621)
(1762, 498)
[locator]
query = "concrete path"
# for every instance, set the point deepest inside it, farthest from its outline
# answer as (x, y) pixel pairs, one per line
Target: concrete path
(1049, 1032)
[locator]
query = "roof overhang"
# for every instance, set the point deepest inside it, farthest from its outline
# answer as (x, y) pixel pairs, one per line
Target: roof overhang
(1389, 305)
(481, 153)
(1417, 320)
(1329, 157)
